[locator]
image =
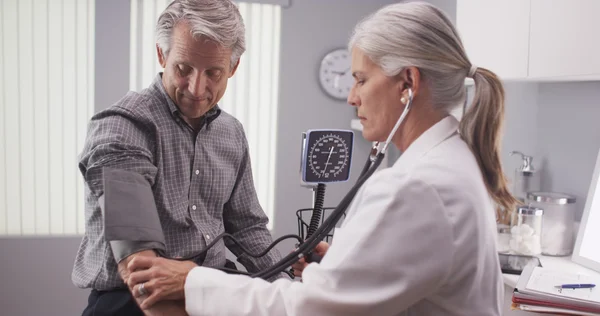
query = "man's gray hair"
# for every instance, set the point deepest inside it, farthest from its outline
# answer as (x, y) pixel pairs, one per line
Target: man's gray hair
(218, 20)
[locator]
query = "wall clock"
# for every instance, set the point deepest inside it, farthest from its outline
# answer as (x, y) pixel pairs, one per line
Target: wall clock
(335, 76)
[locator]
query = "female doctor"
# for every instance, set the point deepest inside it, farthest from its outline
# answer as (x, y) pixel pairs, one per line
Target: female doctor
(419, 237)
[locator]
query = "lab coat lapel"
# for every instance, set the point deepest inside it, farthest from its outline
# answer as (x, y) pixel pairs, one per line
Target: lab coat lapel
(432, 137)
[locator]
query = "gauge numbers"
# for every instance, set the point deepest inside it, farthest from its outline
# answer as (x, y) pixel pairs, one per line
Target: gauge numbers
(328, 156)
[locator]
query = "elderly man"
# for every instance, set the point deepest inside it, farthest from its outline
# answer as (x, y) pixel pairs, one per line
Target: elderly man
(171, 154)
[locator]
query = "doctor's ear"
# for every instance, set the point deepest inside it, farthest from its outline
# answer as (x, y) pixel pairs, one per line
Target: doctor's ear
(408, 78)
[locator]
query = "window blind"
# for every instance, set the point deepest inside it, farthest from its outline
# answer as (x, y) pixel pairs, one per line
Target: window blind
(46, 100)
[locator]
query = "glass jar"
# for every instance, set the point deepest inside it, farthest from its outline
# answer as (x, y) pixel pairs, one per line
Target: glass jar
(558, 234)
(526, 231)
(503, 240)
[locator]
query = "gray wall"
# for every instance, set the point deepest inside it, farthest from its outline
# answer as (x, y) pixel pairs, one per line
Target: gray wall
(568, 137)
(520, 127)
(556, 123)
(35, 277)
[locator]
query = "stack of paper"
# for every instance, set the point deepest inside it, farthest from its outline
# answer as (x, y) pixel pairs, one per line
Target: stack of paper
(536, 291)
(549, 310)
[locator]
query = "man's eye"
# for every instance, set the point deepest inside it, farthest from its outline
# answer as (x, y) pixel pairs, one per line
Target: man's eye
(213, 73)
(183, 69)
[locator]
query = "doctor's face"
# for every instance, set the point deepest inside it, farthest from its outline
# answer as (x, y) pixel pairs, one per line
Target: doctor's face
(376, 97)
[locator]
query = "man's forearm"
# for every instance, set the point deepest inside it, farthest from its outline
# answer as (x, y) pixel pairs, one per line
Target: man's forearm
(175, 308)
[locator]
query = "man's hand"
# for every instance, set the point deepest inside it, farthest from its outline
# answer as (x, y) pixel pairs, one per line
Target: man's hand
(123, 272)
(163, 279)
(301, 264)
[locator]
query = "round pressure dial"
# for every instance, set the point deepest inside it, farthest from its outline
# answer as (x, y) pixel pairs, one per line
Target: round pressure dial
(327, 156)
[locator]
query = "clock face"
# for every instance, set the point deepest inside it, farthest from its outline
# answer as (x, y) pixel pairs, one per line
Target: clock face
(328, 156)
(335, 75)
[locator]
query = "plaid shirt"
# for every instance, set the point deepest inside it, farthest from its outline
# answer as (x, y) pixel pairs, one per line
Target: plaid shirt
(202, 183)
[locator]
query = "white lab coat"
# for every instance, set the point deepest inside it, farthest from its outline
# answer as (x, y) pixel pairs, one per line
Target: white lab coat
(419, 239)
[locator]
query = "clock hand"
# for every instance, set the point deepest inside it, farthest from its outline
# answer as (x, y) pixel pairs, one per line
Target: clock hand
(327, 162)
(340, 72)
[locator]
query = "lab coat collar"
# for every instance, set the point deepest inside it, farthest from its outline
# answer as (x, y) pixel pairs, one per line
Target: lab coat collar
(432, 137)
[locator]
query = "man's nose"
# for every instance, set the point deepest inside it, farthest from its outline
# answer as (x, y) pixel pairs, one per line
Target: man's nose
(197, 85)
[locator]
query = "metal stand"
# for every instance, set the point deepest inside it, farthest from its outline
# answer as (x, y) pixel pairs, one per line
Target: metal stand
(304, 216)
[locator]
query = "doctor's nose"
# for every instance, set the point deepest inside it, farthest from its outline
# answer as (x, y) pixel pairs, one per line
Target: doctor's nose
(353, 98)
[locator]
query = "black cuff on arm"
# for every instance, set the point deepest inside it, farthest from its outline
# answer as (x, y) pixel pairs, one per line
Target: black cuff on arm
(122, 249)
(131, 222)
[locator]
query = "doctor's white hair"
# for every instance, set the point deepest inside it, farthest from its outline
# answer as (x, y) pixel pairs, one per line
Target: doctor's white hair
(417, 34)
(218, 20)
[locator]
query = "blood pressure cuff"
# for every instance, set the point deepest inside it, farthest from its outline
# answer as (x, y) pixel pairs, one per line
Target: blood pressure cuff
(131, 222)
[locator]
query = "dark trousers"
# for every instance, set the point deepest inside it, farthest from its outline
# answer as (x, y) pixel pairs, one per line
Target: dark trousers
(118, 302)
(112, 303)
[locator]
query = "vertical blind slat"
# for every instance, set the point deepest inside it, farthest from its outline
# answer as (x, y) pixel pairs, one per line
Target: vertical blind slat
(81, 105)
(11, 119)
(69, 126)
(90, 71)
(272, 135)
(47, 101)
(265, 104)
(253, 102)
(56, 77)
(26, 110)
(3, 175)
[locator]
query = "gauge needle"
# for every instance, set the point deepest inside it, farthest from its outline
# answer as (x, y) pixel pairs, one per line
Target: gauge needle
(327, 162)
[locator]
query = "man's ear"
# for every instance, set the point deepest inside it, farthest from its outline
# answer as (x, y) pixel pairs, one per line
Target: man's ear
(162, 59)
(234, 69)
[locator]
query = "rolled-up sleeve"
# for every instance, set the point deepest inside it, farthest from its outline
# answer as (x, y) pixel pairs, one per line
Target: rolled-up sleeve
(115, 139)
(117, 167)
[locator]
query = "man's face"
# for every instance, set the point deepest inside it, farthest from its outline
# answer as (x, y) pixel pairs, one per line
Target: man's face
(195, 72)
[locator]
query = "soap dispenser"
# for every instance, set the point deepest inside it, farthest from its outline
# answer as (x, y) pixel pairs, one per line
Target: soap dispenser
(527, 179)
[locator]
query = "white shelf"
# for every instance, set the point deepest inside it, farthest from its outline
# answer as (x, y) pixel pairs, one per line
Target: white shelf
(356, 125)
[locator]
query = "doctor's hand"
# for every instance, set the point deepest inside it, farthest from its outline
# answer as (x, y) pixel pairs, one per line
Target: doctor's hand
(158, 278)
(301, 264)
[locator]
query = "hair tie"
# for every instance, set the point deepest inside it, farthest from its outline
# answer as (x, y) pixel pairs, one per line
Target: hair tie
(472, 71)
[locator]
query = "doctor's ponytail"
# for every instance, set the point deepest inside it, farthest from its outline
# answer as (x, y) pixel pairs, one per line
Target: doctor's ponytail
(420, 35)
(481, 129)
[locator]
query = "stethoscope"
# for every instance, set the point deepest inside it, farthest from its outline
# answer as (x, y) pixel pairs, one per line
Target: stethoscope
(305, 247)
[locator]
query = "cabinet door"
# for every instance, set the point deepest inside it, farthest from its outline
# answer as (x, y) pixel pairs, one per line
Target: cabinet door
(565, 39)
(496, 35)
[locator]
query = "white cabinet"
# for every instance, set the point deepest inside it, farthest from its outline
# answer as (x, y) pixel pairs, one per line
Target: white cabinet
(537, 40)
(565, 39)
(495, 35)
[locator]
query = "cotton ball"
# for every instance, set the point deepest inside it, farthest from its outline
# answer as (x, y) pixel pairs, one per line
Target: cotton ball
(524, 240)
(515, 230)
(527, 230)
